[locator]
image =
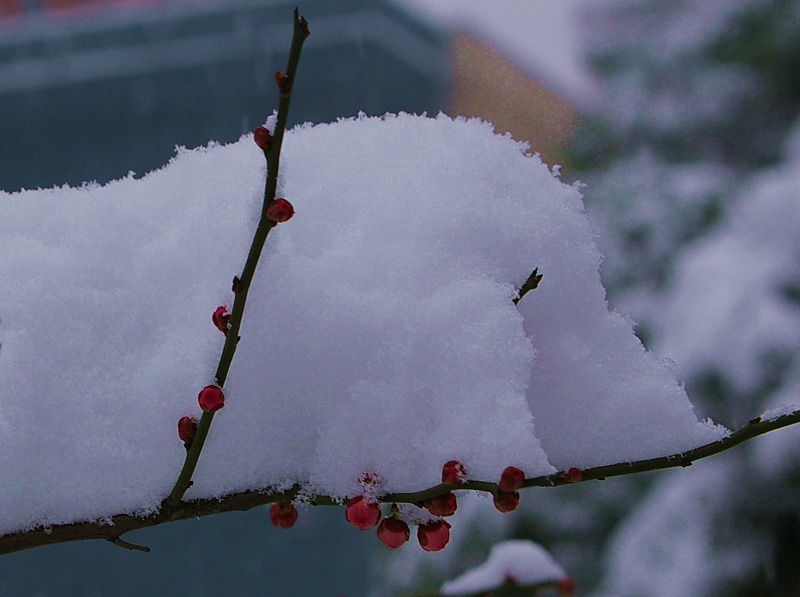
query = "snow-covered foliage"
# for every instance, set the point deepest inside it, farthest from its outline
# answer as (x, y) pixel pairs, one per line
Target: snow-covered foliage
(695, 97)
(516, 562)
(380, 333)
(736, 289)
(734, 302)
(697, 206)
(668, 546)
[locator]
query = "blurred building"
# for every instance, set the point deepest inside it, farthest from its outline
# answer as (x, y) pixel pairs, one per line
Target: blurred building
(488, 85)
(518, 64)
(92, 89)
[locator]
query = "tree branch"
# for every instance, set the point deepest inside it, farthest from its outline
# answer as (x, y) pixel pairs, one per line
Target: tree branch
(241, 286)
(113, 529)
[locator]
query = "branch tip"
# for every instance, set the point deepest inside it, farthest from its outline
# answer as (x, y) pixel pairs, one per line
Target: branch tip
(530, 284)
(120, 542)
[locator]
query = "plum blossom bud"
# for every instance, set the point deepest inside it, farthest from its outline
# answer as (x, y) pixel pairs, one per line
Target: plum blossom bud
(575, 475)
(453, 473)
(393, 532)
(442, 505)
(506, 502)
(262, 137)
(434, 536)
(282, 81)
(211, 399)
(362, 514)
(511, 479)
(283, 515)
(280, 210)
(221, 318)
(187, 427)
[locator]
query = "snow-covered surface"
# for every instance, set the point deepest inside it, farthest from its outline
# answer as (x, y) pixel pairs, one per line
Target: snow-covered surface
(517, 561)
(540, 36)
(379, 334)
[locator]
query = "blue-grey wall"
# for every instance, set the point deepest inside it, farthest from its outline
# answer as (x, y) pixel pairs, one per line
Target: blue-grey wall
(95, 98)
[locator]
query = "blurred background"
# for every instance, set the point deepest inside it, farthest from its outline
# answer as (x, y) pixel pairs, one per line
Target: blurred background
(682, 120)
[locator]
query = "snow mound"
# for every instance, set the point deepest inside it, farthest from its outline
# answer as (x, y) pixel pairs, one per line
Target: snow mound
(514, 562)
(379, 334)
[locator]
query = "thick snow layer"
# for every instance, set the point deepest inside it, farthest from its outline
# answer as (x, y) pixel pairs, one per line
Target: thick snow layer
(518, 562)
(379, 333)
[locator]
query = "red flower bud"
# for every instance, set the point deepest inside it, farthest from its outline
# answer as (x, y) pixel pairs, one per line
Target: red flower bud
(187, 427)
(575, 475)
(282, 81)
(453, 473)
(221, 317)
(506, 502)
(566, 586)
(283, 515)
(511, 479)
(280, 210)
(262, 137)
(442, 505)
(393, 532)
(369, 478)
(362, 514)
(211, 399)
(434, 536)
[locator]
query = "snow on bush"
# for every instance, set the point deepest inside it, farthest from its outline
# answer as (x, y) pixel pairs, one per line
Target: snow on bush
(515, 562)
(735, 299)
(380, 332)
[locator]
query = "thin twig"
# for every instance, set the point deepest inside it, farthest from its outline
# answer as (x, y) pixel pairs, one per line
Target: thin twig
(120, 542)
(124, 523)
(530, 284)
(242, 284)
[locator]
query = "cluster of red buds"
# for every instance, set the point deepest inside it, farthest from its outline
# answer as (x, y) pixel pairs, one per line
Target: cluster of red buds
(506, 499)
(433, 535)
(211, 399)
(279, 210)
(393, 532)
